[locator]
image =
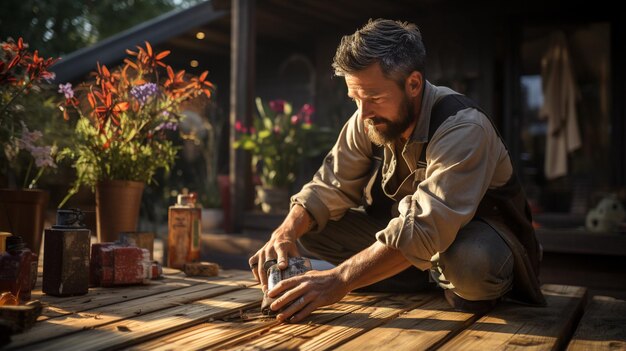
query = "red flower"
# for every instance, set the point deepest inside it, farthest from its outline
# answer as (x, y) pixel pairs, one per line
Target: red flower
(277, 106)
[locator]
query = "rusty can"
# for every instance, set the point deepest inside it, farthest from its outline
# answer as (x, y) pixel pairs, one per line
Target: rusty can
(184, 229)
(66, 255)
(296, 266)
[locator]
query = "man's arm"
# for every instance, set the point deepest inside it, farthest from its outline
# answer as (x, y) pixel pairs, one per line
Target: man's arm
(320, 288)
(372, 265)
(282, 243)
(336, 187)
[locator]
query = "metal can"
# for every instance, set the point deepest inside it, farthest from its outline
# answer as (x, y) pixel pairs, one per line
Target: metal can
(295, 267)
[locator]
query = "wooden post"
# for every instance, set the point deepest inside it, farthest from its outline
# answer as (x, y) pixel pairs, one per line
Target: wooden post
(242, 79)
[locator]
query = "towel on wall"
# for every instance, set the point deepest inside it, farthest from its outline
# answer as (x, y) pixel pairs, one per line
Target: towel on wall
(559, 106)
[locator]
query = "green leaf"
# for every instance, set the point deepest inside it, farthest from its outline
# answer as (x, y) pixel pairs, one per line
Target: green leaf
(264, 134)
(248, 145)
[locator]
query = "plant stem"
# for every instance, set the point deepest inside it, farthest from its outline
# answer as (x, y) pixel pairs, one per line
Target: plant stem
(70, 193)
(18, 93)
(33, 183)
(30, 166)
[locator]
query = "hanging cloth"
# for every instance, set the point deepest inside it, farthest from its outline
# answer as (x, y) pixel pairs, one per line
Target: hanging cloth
(559, 106)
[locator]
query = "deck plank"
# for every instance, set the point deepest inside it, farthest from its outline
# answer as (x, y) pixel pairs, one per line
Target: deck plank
(186, 313)
(98, 297)
(603, 326)
(513, 326)
(419, 329)
(226, 334)
(319, 332)
(134, 330)
(93, 318)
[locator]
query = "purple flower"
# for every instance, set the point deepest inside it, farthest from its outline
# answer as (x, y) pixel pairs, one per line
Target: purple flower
(143, 92)
(277, 106)
(28, 139)
(66, 89)
(166, 126)
(43, 156)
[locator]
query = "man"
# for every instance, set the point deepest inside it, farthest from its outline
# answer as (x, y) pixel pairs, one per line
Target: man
(437, 183)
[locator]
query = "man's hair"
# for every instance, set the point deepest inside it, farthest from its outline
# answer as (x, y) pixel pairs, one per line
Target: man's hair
(396, 46)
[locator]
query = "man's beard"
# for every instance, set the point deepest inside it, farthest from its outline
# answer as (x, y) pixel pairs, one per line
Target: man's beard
(393, 130)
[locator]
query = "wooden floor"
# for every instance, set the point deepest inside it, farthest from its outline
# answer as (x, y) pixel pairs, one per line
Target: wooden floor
(182, 313)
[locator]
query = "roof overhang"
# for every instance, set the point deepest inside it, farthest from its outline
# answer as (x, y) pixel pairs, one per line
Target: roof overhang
(112, 50)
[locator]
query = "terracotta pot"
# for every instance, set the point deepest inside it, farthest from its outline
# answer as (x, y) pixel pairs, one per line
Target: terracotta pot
(273, 199)
(22, 212)
(117, 208)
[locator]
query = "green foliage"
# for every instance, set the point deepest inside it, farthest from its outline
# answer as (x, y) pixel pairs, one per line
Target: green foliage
(279, 140)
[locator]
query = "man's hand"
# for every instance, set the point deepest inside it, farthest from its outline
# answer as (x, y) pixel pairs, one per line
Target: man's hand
(307, 292)
(282, 244)
(320, 288)
(280, 247)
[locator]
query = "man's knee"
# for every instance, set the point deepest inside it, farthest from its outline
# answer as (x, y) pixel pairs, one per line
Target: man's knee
(478, 263)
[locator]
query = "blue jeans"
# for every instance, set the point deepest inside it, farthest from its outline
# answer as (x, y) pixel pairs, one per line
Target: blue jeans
(477, 266)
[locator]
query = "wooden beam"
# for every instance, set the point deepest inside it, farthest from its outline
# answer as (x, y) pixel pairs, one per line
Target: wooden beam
(419, 329)
(323, 18)
(232, 334)
(130, 331)
(242, 75)
(603, 326)
(513, 326)
(582, 242)
(91, 319)
(328, 335)
(206, 48)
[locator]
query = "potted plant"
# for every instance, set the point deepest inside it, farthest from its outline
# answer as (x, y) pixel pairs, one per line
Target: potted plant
(24, 156)
(121, 135)
(278, 141)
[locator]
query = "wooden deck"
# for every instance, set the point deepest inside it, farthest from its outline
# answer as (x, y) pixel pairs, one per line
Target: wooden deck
(183, 313)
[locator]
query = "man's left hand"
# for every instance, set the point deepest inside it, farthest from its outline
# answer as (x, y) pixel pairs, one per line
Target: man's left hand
(307, 292)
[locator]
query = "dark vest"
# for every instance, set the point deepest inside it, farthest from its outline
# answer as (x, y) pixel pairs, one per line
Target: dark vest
(503, 207)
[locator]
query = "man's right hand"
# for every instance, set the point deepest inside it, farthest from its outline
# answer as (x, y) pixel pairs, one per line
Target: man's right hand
(282, 243)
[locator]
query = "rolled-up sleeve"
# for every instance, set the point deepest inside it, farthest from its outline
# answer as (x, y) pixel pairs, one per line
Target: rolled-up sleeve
(461, 160)
(338, 184)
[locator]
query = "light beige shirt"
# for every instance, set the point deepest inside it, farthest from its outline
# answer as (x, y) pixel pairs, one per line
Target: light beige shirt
(464, 158)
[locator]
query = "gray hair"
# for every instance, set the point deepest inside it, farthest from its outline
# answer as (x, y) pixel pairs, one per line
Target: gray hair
(396, 46)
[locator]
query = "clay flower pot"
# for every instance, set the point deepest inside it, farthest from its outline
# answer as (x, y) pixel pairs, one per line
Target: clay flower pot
(22, 212)
(117, 208)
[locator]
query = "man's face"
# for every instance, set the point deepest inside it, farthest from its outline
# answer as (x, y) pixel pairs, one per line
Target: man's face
(386, 110)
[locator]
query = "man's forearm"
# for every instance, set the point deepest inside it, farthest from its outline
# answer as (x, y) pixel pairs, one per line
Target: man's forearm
(298, 221)
(371, 265)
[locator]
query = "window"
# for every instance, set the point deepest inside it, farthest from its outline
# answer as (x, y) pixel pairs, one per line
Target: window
(566, 154)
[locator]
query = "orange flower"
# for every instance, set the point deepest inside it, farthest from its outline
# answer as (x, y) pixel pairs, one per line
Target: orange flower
(131, 111)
